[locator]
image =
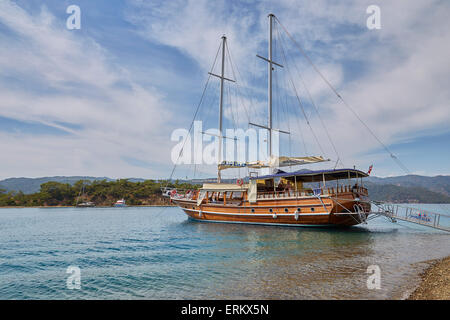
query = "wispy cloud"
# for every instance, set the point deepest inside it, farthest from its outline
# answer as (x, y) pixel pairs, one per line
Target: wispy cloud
(395, 78)
(72, 80)
(397, 85)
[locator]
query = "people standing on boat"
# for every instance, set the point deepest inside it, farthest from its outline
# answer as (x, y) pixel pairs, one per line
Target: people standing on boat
(288, 187)
(355, 189)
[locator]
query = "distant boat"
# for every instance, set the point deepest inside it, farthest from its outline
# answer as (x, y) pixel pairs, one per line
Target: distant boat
(120, 203)
(85, 204)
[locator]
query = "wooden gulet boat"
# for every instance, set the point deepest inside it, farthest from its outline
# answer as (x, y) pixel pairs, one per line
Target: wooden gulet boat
(292, 204)
(334, 197)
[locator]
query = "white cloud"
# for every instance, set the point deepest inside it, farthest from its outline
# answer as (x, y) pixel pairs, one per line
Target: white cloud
(195, 27)
(396, 78)
(401, 89)
(72, 81)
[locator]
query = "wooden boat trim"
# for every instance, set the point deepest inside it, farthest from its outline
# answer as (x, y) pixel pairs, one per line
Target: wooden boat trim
(267, 223)
(273, 207)
(278, 198)
(260, 214)
(245, 204)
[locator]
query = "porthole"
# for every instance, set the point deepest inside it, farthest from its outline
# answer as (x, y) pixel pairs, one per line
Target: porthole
(299, 209)
(286, 210)
(312, 209)
(270, 210)
(253, 210)
(193, 208)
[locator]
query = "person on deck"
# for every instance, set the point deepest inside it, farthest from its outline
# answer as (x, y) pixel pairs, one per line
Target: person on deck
(288, 187)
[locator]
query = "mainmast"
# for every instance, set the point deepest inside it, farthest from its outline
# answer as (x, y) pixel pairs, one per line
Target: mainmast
(269, 89)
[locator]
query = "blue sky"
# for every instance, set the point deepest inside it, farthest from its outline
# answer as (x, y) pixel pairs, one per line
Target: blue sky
(104, 100)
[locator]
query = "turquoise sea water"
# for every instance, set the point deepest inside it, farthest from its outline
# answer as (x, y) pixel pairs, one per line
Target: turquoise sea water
(157, 253)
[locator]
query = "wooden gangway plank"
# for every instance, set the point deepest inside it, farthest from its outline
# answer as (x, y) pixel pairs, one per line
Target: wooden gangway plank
(413, 215)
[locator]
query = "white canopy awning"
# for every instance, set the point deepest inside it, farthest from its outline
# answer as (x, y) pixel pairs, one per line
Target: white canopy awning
(282, 161)
(223, 187)
(294, 161)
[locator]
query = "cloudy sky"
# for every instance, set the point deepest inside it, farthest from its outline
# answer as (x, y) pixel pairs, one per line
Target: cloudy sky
(104, 100)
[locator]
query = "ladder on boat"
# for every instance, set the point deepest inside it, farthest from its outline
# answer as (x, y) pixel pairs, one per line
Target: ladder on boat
(396, 212)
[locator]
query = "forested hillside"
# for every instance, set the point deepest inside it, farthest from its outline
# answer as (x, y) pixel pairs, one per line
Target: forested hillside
(102, 193)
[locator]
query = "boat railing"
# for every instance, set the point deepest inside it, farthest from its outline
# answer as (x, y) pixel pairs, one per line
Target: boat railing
(184, 194)
(348, 189)
(289, 194)
(192, 194)
(311, 192)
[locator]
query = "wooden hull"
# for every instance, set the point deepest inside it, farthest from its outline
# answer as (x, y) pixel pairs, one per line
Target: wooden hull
(314, 212)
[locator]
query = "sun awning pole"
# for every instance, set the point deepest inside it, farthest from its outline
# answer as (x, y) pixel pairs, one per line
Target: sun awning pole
(295, 185)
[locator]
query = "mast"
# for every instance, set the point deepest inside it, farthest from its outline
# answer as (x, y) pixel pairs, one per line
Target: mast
(269, 89)
(271, 64)
(222, 78)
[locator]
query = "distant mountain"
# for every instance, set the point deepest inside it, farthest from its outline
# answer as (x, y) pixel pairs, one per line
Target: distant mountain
(440, 184)
(399, 194)
(32, 185)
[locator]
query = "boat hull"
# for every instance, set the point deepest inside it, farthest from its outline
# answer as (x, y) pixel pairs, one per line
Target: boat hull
(313, 213)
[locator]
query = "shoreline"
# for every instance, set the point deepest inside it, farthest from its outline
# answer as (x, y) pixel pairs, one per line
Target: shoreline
(434, 283)
(128, 206)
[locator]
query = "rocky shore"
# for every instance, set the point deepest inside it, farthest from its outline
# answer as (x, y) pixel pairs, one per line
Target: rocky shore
(435, 284)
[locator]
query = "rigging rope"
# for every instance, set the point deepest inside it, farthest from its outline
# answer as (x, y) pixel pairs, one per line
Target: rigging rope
(399, 163)
(195, 116)
(230, 57)
(300, 103)
(314, 106)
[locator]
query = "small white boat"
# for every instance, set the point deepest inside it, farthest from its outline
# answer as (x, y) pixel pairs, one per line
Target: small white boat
(120, 203)
(87, 204)
(84, 204)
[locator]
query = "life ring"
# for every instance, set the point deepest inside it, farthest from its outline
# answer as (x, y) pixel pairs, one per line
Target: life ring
(240, 182)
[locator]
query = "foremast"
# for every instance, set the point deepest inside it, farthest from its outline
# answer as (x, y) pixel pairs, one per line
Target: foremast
(222, 80)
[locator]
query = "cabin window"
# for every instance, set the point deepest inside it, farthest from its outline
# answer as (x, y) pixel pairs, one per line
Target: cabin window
(286, 210)
(193, 208)
(270, 210)
(312, 209)
(299, 209)
(237, 195)
(253, 210)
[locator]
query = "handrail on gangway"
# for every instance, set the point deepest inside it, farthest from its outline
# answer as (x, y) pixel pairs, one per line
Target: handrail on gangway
(414, 215)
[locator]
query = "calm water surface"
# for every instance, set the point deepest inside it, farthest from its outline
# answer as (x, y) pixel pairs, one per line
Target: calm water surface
(157, 253)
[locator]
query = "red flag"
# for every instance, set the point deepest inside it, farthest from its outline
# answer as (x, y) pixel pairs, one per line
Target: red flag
(370, 169)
